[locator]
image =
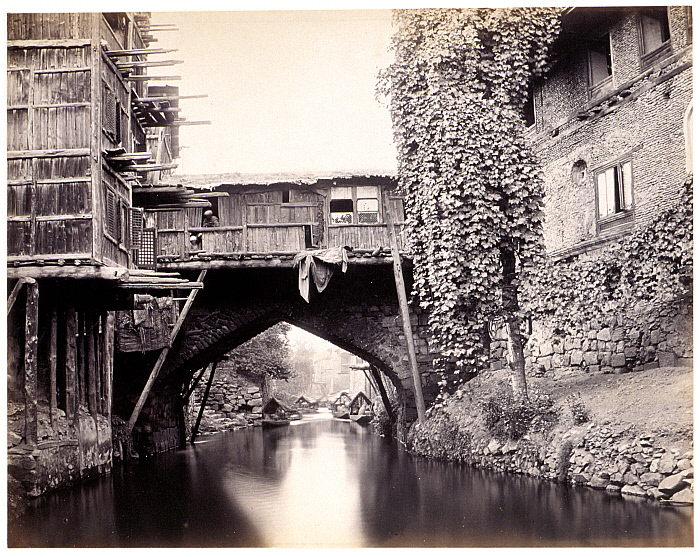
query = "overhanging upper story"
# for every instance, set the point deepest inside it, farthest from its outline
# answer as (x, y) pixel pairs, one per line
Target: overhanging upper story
(267, 220)
(87, 126)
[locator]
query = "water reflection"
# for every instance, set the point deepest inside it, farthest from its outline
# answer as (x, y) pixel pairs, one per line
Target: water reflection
(327, 483)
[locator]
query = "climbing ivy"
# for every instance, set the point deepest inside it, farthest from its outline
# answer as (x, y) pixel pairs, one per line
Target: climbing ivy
(652, 266)
(456, 92)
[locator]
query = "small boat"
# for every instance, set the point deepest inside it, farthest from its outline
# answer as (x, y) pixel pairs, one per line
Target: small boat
(341, 406)
(363, 419)
(361, 409)
(306, 405)
(274, 414)
(269, 422)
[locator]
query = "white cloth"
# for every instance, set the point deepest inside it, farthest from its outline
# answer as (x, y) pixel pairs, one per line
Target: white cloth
(318, 265)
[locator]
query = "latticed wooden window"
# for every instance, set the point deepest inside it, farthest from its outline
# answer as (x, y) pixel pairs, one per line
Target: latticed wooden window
(110, 213)
(135, 227)
(368, 204)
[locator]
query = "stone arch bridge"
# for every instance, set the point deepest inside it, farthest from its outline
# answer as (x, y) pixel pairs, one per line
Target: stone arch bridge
(358, 311)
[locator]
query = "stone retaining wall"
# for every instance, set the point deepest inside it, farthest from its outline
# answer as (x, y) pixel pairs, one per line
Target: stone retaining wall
(654, 336)
(232, 402)
(600, 457)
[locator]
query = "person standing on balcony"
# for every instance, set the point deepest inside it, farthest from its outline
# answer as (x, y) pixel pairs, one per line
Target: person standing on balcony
(210, 219)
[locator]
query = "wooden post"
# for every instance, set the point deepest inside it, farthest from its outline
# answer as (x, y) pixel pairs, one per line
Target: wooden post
(53, 344)
(382, 392)
(163, 354)
(195, 430)
(405, 316)
(109, 320)
(13, 295)
(30, 370)
(187, 395)
(91, 371)
(80, 359)
(71, 362)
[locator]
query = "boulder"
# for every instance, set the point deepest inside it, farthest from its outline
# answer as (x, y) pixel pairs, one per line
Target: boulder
(633, 490)
(651, 478)
(672, 484)
(683, 496)
(599, 482)
(494, 447)
(667, 463)
(683, 464)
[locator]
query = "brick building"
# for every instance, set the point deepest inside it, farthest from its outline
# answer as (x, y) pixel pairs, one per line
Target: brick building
(611, 123)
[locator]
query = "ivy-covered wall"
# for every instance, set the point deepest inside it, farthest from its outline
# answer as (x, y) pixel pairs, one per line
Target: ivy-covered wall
(625, 308)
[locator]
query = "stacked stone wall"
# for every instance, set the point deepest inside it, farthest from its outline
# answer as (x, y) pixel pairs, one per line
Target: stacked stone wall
(232, 402)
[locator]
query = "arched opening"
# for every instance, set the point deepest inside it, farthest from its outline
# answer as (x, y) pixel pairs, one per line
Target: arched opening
(284, 363)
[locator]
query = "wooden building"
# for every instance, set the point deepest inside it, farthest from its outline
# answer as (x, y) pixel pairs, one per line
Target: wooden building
(280, 216)
(85, 130)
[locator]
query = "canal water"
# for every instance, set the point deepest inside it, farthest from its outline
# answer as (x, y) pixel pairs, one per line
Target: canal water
(322, 482)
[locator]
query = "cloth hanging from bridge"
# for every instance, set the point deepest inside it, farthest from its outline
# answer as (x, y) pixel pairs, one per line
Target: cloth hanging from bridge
(318, 265)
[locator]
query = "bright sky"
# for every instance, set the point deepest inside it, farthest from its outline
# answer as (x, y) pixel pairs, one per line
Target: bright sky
(287, 90)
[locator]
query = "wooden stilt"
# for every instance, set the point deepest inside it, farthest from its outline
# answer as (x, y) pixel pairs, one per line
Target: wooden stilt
(195, 429)
(382, 392)
(30, 360)
(71, 363)
(405, 316)
(189, 392)
(91, 361)
(81, 375)
(15, 292)
(53, 345)
(162, 356)
(108, 337)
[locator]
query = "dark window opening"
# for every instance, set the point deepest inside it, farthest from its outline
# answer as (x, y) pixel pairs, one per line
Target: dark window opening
(285, 196)
(599, 60)
(341, 206)
(655, 30)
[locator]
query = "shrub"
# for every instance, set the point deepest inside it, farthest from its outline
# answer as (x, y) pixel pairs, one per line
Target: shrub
(506, 417)
(579, 412)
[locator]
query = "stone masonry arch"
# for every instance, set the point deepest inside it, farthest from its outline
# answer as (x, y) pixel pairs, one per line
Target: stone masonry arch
(358, 312)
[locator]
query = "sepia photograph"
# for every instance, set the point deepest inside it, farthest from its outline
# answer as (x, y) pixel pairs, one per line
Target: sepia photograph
(349, 276)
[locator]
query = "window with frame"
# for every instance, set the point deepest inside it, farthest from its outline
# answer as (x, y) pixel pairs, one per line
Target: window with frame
(654, 35)
(614, 193)
(341, 205)
(600, 66)
(367, 204)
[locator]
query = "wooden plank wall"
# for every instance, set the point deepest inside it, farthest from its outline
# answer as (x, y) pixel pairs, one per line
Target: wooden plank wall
(48, 143)
(48, 26)
(173, 232)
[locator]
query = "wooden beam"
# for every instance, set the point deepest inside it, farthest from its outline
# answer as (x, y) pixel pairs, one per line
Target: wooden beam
(31, 332)
(53, 345)
(83, 272)
(145, 100)
(139, 52)
(71, 363)
(150, 77)
(47, 153)
(109, 322)
(162, 356)
(189, 392)
(405, 316)
(15, 291)
(382, 392)
(148, 64)
(91, 365)
(195, 429)
(48, 43)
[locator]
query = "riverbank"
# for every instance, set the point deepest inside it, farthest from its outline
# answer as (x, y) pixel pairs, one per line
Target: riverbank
(629, 434)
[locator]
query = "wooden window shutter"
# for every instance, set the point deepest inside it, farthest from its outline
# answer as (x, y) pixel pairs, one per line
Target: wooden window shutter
(110, 211)
(135, 227)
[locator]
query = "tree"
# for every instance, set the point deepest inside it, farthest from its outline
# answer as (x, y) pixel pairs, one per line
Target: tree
(264, 356)
(456, 93)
